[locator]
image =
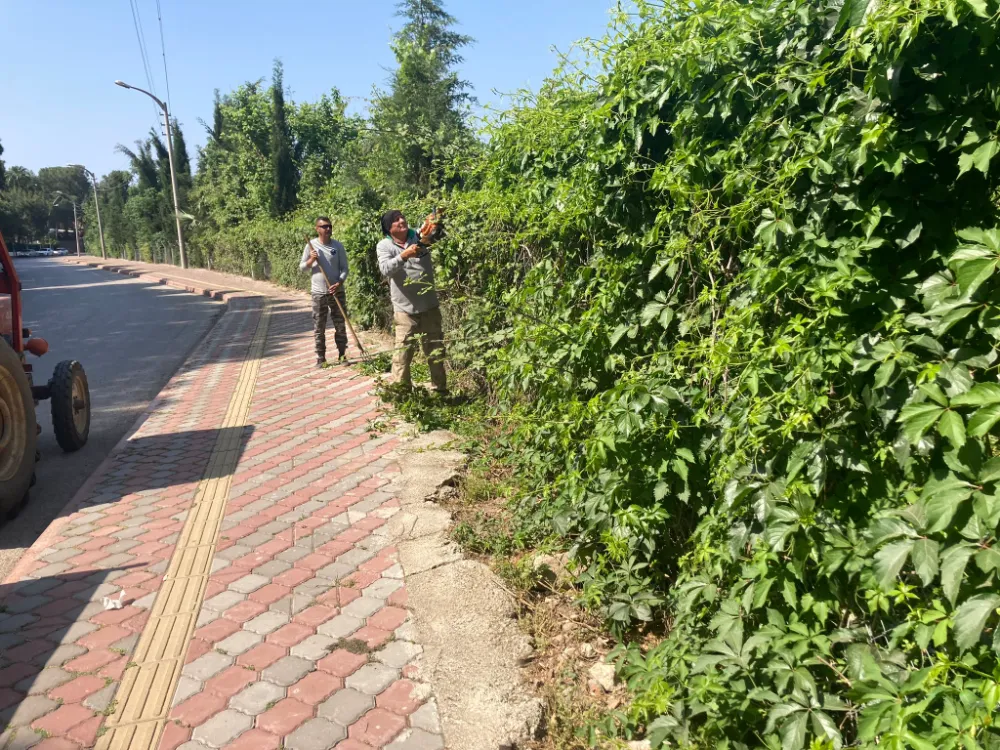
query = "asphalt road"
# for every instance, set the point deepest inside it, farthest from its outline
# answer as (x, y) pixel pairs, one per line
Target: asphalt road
(130, 336)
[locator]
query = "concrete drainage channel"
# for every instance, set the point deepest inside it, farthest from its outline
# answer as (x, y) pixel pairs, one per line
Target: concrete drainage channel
(472, 646)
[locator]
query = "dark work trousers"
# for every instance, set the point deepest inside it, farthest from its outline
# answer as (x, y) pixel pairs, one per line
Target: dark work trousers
(323, 304)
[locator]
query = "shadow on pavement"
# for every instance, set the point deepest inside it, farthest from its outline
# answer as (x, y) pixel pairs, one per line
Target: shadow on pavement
(147, 465)
(44, 624)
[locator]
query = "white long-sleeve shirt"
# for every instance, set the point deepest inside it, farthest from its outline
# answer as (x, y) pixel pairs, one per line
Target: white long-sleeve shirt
(332, 259)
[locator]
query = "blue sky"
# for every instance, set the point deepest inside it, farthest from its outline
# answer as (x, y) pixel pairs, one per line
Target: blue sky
(60, 58)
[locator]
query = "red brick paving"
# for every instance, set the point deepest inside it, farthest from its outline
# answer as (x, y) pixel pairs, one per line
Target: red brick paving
(305, 462)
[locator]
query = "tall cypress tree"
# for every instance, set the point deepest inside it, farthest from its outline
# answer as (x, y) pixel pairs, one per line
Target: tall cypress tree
(283, 194)
(182, 163)
(421, 119)
(3, 175)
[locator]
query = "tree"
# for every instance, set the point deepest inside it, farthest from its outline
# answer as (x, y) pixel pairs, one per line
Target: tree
(421, 121)
(2, 172)
(283, 193)
(182, 165)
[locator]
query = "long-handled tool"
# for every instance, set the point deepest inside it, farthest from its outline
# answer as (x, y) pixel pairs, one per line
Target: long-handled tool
(364, 353)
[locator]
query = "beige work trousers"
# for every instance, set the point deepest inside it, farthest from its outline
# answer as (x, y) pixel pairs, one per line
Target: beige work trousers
(426, 327)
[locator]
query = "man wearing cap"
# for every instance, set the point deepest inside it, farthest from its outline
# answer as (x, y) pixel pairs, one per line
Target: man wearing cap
(326, 259)
(404, 259)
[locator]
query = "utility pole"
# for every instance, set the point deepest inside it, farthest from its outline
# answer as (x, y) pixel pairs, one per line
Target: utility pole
(61, 196)
(97, 205)
(170, 158)
(76, 231)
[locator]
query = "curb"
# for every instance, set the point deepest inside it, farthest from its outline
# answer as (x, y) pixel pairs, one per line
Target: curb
(80, 496)
(171, 281)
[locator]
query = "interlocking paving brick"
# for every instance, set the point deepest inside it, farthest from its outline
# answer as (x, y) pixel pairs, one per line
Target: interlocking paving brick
(345, 707)
(100, 700)
(266, 623)
(383, 588)
(62, 719)
(363, 607)
(239, 643)
(340, 626)
(377, 727)
(207, 666)
(398, 654)
(255, 698)
(249, 583)
(283, 718)
(224, 601)
(316, 734)
(186, 687)
(313, 648)
(426, 718)
(77, 690)
(222, 728)
(19, 738)
(25, 712)
(315, 687)
(372, 678)
(288, 671)
(416, 739)
(44, 681)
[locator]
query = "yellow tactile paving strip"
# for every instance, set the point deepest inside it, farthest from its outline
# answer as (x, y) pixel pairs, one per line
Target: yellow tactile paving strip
(142, 701)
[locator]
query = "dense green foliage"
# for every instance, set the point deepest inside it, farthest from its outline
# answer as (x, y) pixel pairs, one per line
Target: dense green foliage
(727, 297)
(740, 311)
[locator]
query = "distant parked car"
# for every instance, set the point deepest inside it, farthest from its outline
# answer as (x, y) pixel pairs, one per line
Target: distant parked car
(47, 252)
(62, 251)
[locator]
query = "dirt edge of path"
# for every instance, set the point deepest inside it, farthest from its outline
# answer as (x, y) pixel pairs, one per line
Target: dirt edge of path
(473, 649)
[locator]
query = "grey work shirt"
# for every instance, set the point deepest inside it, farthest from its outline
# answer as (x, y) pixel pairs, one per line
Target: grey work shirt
(411, 281)
(332, 259)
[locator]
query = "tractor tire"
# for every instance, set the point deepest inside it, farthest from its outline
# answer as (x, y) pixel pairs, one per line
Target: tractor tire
(18, 431)
(70, 396)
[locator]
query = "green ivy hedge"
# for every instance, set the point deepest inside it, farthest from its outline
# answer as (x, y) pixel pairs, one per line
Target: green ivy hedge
(738, 304)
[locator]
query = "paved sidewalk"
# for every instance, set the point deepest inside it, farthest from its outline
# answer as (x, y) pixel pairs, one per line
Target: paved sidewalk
(263, 604)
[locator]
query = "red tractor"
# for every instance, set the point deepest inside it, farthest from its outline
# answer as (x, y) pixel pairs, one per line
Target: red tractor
(19, 396)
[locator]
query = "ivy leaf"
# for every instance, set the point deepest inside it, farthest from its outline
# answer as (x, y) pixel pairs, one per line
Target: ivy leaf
(971, 617)
(824, 725)
(972, 274)
(793, 732)
(917, 418)
(982, 394)
(988, 560)
(983, 420)
(660, 491)
(991, 470)
(953, 563)
(978, 7)
(618, 333)
(852, 13)
(940, 500)
(925, 559)
(952, 427)
(890, 560)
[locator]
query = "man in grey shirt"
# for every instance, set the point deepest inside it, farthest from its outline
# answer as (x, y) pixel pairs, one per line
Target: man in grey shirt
(327, 260)
(405, 261)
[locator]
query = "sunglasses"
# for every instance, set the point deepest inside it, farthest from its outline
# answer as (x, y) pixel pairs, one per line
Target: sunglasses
(324, 226)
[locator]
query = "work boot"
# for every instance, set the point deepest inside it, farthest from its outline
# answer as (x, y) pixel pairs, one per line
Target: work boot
(320, 363)
(342, 359)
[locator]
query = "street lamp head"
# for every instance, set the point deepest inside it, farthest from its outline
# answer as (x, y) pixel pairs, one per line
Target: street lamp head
(122, 84)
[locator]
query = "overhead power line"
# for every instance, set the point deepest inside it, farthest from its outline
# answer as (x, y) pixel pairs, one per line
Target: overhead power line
(163, 49)
(141, 40)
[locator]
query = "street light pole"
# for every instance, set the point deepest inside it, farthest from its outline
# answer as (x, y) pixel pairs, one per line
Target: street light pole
(76, 224)
(170, 158)
(97, 205)
(76, 231)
